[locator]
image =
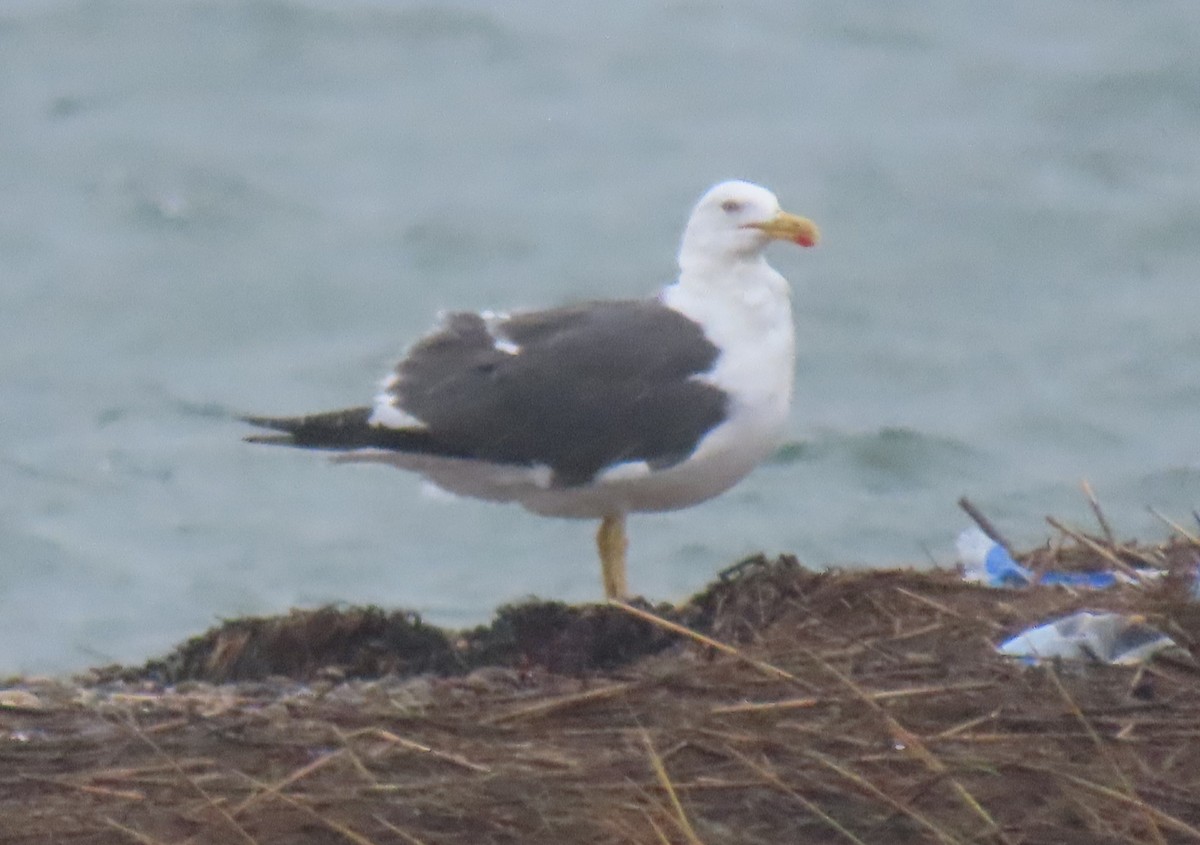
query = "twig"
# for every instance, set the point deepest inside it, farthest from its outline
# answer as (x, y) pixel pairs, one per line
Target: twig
(911, 634)
(942, 608)
(912, 744)
(674, 627)
(926, 600)
(425, 749)
(135, 835)
(865, 785)
(349, 833)
(813, 701)
(135, 773)
(1163, 817)
(124, 794)
(985, 524)
(1175, 526)
(403, 834)
(812, 807)
(963, 727)
(192, 782)
(356, 760)
(299, 774)
(1097, 548)
(1102, 749)
(169, 725)
(660, 771)
(658, 831)
(542, 708)
(1104, 526)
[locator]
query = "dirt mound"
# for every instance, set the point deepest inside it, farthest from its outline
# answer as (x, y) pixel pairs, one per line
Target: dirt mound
(370, 642)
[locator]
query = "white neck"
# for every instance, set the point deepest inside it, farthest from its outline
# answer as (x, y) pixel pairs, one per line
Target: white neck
(736, 299)
(701, 265)
(745, 308)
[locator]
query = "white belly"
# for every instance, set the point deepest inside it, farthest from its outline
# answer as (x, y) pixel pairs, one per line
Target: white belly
(724, 457)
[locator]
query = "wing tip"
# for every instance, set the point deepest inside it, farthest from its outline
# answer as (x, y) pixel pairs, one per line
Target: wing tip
(287, 425)
(270, 439)
(274, 423)
(344, 429)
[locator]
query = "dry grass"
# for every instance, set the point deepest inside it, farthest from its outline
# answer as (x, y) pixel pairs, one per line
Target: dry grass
(783, 706)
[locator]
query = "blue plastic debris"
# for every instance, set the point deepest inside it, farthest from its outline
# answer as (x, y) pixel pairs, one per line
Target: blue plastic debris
(1087, 580)
(987, 562)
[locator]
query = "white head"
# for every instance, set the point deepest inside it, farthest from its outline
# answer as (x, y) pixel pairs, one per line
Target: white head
(734, 221)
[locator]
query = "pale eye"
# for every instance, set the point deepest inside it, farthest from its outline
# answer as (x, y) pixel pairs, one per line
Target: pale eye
(731, 206)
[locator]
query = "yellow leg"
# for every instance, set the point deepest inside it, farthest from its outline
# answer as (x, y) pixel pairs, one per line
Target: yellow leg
(612, 543)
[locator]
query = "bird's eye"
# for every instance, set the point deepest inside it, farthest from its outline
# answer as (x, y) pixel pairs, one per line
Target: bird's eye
(731, 206)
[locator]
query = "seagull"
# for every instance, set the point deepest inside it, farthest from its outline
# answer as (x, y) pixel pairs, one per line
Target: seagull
(599, 409)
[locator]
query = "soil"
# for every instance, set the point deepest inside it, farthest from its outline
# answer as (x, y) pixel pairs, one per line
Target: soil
(780, 705)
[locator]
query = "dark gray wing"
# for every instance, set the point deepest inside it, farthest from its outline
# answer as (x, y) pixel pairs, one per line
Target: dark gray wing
(576, 389)
(586, 387)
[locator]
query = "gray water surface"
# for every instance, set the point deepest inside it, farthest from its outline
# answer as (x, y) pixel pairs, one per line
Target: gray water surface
(213, 208)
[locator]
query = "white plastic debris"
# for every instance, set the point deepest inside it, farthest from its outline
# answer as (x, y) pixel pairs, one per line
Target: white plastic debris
(1113, 638)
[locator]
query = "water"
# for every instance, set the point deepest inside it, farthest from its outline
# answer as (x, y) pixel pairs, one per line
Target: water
(220, 207)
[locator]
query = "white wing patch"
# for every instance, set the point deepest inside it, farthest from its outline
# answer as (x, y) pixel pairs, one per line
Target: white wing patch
(506, 346)
(627, 471)
(493, 320)
(387, 415)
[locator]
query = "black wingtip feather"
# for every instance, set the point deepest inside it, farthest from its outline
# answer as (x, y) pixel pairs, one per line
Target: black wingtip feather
(276, 423)
(270, 439)
(345, 429)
